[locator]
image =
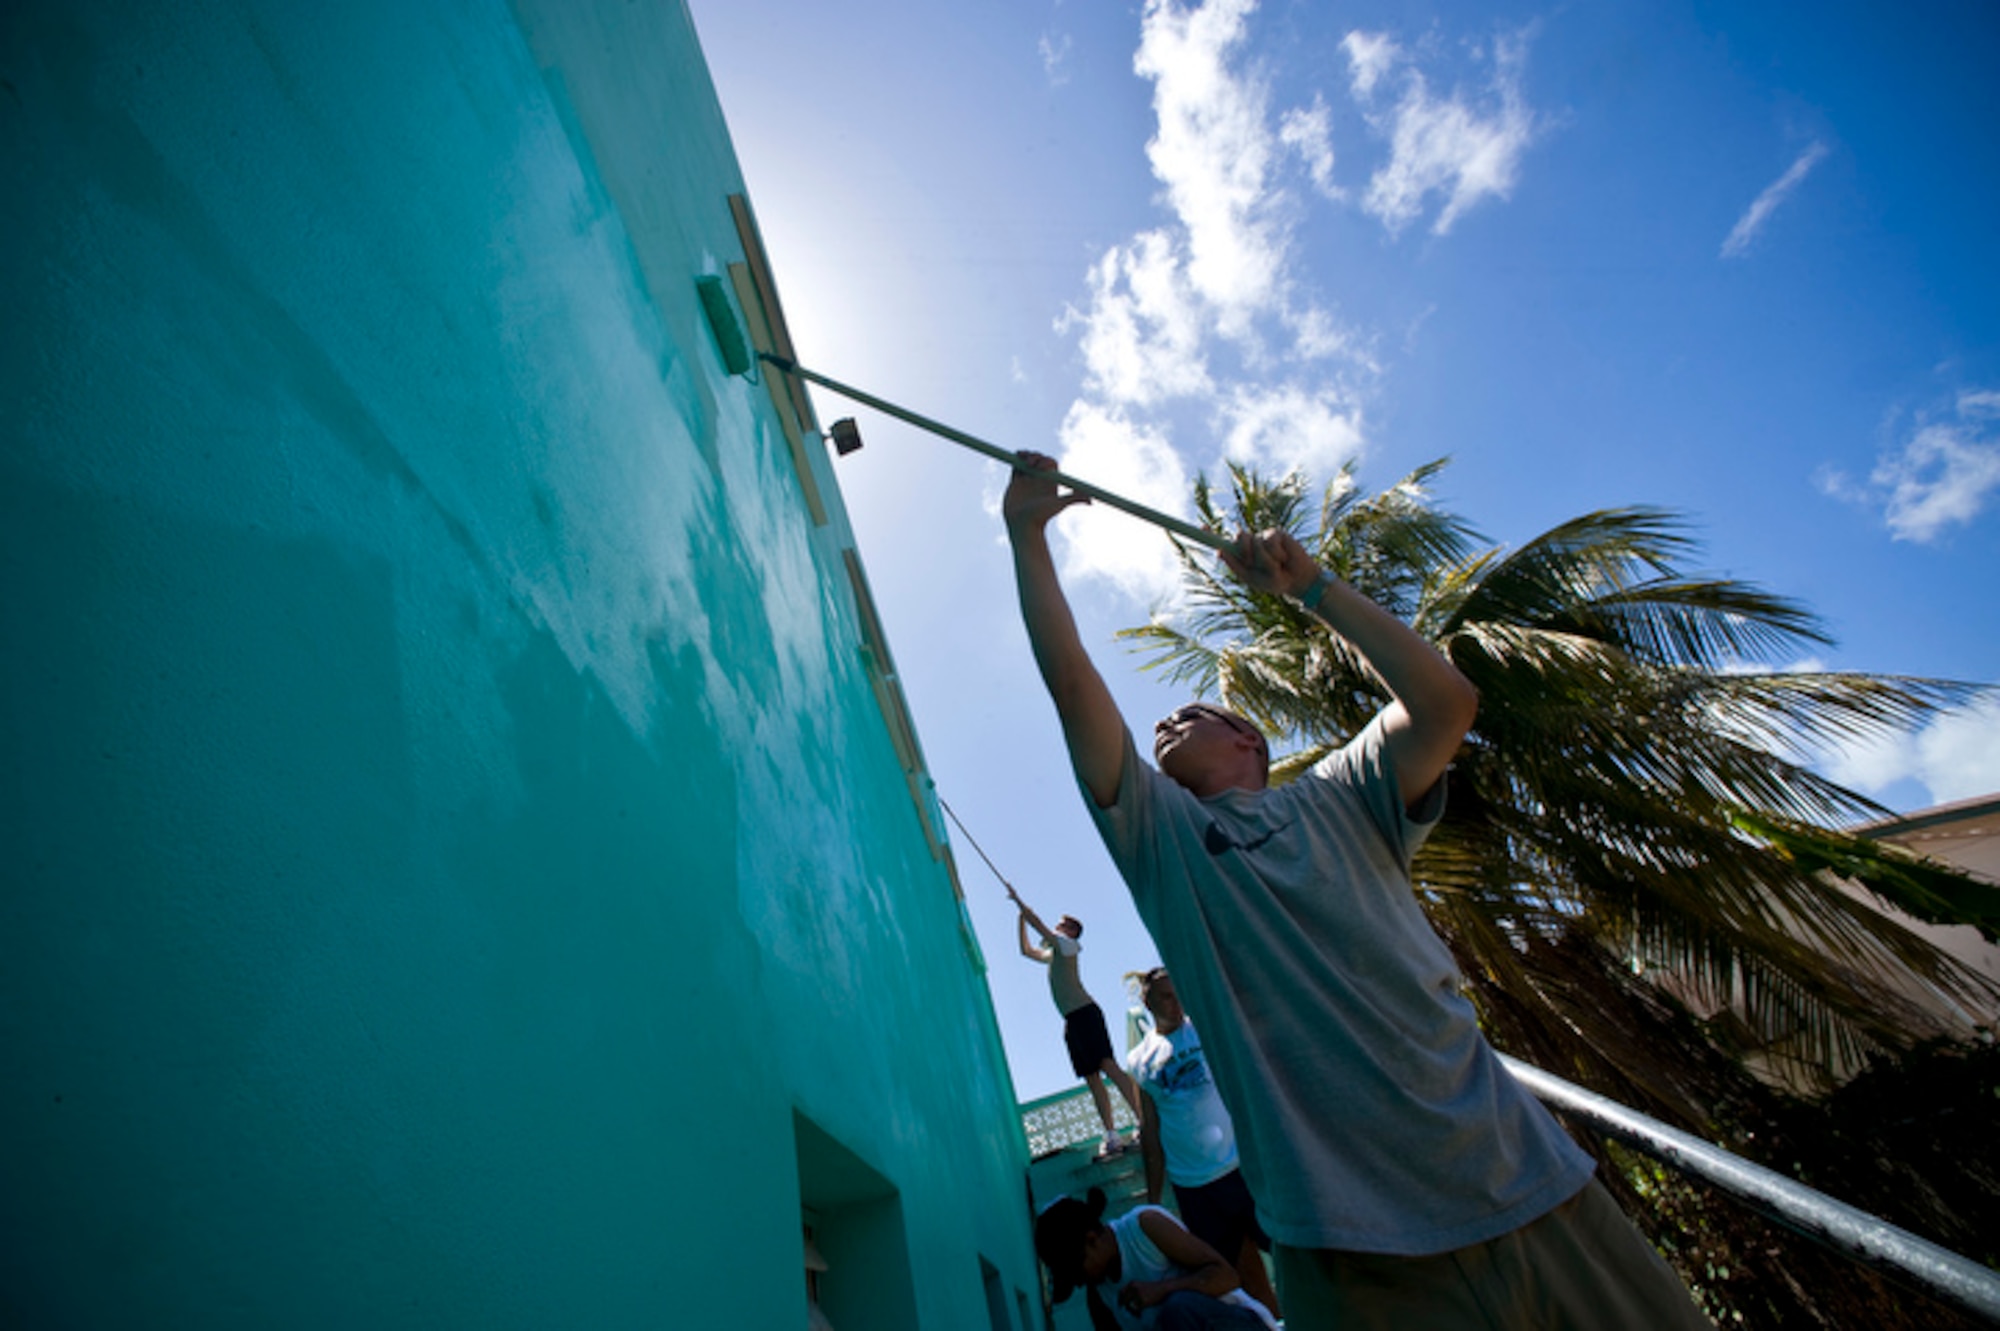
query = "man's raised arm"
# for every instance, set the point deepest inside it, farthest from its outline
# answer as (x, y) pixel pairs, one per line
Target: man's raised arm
(1092, 727)
(1435, 704)
(1028, 949)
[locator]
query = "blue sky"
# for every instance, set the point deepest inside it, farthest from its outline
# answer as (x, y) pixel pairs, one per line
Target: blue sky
(1736, 264)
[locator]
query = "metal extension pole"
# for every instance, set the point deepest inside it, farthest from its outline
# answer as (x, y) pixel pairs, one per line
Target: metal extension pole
(1173, 524)
(975, 846)
(1852, 1232)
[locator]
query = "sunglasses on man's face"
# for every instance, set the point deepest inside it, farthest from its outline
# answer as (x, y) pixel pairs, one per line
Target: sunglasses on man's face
(1195, 712)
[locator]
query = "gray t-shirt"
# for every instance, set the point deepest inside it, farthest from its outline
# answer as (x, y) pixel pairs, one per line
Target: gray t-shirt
(1370, 1112)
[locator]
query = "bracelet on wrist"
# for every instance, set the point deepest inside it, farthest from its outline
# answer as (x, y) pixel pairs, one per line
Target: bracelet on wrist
(1310, 597)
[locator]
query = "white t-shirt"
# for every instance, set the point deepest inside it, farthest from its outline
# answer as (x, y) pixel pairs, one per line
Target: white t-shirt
(1196, 1135)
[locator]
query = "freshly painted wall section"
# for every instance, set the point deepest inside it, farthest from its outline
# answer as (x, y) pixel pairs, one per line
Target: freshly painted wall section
(451, 840)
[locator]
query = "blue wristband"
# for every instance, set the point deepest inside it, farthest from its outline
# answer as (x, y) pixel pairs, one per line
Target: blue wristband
(1310, 597)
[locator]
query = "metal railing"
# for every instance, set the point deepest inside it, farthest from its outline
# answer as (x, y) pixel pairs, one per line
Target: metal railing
(1066, 1118)
(1852, 1232)
(1056, 1121)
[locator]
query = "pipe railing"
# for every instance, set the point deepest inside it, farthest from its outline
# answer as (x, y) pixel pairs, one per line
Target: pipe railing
(1052, 1123)
(1852, 1232)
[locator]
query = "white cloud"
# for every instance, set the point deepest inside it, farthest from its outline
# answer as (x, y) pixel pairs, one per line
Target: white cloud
(1871, 766)
(1979, 404)
(1316, 335)
(1203, 320)
(1941, 479)
(1958, 756)
(1055, 58)
(1944, 476)
(1760, 210)
(1108, 449)
(1416, 326)
(1955, 757)
(1213, 151)
(1289, 428)
(1446, 146)
(1308, 131)
(1835, 483)
(1371, 56)
(1142, 333)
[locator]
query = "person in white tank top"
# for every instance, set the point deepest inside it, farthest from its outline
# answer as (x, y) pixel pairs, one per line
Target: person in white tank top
(1084, 1032)
(1160, 1277)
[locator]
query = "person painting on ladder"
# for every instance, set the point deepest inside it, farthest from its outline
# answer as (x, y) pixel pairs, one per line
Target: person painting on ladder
(1084, 1032)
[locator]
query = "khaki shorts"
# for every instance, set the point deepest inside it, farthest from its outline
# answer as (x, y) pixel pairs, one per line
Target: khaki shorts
(1582, 1267)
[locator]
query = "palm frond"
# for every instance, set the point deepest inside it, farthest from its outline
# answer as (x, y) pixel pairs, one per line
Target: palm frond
(1922, 887)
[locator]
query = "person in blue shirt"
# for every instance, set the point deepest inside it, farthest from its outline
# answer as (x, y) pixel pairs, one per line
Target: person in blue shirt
(1186, 1136)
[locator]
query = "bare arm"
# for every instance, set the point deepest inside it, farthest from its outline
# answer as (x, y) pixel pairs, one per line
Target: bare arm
(1207, 1272)
(1029, 950)
(1028, 916)
(1092, 727)
(1434, 704)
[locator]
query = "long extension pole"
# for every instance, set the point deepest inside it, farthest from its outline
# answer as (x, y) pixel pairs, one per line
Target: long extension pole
(975, 846)
(999, 454)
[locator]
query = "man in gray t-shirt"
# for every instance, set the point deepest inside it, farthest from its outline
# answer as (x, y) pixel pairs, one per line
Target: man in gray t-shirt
(1400, 1170)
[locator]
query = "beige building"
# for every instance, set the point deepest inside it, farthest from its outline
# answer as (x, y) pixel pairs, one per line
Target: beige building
(1966, 835)
(1963, 835)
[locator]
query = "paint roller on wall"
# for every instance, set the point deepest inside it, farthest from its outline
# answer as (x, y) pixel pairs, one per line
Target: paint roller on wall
(736, 358)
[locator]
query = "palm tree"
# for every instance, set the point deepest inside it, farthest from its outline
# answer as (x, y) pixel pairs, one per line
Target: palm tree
(1631, 808)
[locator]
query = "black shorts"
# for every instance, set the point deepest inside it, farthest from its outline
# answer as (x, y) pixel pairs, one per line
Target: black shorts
(1089, 1044)
(1222, 1215)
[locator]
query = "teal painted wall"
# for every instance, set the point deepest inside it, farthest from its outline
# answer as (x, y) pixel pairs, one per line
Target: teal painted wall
(449, 831)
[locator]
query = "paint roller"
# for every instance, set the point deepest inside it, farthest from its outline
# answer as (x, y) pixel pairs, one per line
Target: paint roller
(736, 358)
